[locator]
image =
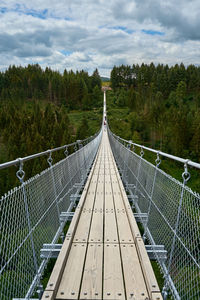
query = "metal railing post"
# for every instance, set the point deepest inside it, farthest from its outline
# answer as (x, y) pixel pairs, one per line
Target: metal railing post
(66, 155)
(77, 158)
(80, 146)
(128, 146)
(139, 167)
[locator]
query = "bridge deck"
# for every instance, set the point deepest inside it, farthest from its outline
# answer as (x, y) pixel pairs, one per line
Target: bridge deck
(103, 255)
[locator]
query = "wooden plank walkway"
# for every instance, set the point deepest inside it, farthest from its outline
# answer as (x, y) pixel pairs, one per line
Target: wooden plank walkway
(103, 255)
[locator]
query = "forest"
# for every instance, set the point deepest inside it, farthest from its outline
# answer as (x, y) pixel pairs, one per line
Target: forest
(162, 106)
(42, 109)
(158, 106)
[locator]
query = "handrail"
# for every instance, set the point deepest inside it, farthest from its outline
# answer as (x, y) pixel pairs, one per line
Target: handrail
(158, 152)
(36, 155)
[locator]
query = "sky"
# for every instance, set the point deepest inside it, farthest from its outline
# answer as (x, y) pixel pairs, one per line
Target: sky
(89, 34)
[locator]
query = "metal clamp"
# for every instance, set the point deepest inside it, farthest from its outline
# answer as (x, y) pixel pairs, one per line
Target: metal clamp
(50, 159)
(20, 173)
(129, 145)
(158, 160)
(142, 152)
(186, 175)
(66, 151)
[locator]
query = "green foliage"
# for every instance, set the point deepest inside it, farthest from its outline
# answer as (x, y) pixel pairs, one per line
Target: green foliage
(159, 106)
(31, 82)
(82, 130)
(37, 113)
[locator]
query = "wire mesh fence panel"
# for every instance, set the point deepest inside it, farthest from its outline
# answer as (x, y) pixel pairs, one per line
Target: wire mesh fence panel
(173, 218)
(29, 217)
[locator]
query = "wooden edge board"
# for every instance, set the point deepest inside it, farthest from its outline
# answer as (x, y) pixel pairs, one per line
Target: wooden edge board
(48, 295)
(156, 296)
(151, 282)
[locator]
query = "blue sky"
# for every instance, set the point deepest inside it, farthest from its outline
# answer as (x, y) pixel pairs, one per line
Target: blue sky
(98, 34)
(153, 32)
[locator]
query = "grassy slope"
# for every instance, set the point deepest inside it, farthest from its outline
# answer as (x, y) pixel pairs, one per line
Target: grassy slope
(93, 117)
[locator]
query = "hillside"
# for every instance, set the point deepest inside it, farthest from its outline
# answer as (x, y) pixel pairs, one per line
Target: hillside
(40, 110)
(158, 106)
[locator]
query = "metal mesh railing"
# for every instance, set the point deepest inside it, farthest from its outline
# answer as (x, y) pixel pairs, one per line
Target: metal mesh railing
(173, 217)
(30, 217)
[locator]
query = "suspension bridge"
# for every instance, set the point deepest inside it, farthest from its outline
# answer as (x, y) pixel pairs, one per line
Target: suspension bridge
(104, 189)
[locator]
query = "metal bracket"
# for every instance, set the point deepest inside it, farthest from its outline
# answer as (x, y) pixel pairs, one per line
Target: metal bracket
(50, 250)
(79, 185)
(156, 252)
(74, 197)
(66, 216)
(129, 186)
(141, 218)
(132, 198)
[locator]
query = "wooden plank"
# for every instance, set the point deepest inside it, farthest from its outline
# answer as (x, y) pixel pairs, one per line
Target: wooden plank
(99, 199)
(133, 277)
(110, 228)
(71, 279)
(109, 205)
(118, 201)
(96, 229)
(125, 234)
(91, 287)
(151, 282)
(89, 201)
(107, 171)
(113, 285)
(82, 231)
(101, 169)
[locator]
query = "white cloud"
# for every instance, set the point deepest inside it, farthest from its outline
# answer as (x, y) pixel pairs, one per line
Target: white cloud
(98, 33)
